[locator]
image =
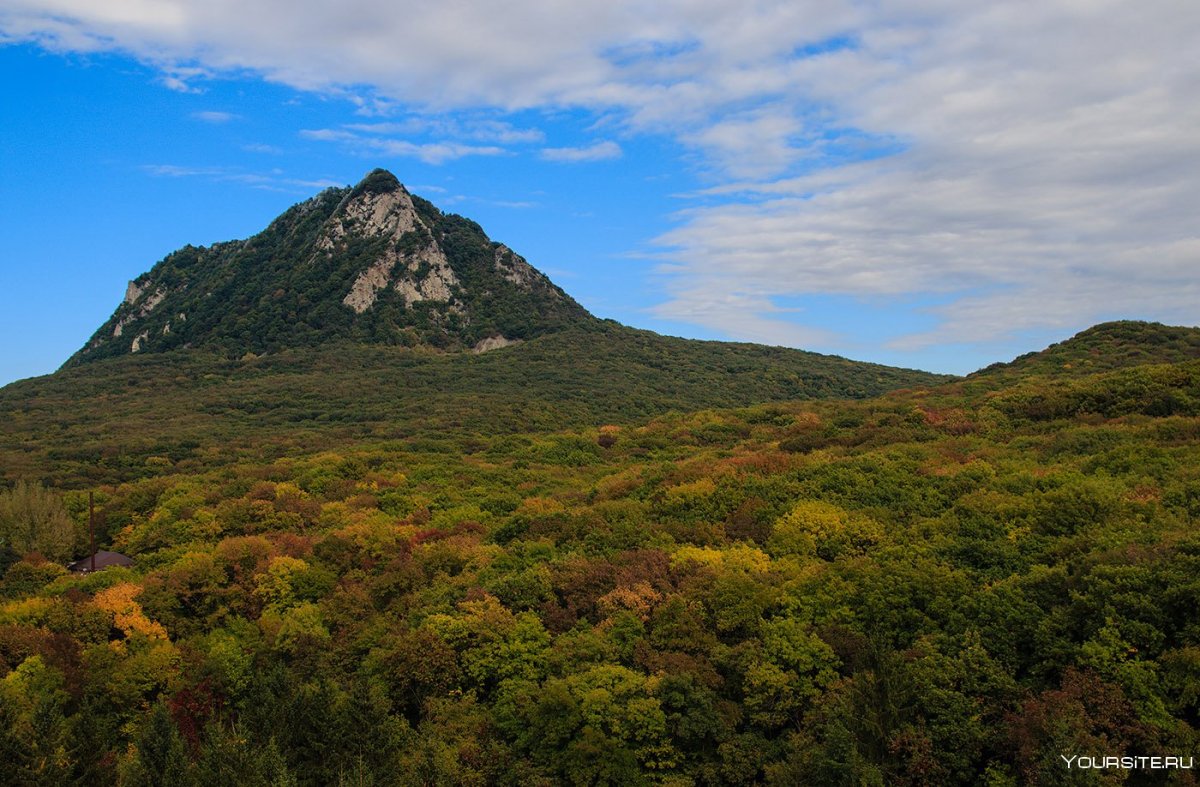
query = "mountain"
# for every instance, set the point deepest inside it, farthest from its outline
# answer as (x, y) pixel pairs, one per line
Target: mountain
(369, 264)
(366, 312)
(1101, 348)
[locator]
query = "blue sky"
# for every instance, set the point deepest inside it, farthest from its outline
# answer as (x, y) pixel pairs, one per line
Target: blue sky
(929, 185)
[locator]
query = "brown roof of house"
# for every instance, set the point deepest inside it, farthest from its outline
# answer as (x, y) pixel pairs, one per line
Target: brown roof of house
(103, 560)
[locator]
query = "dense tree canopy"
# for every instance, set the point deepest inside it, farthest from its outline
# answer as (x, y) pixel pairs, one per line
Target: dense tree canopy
(953, 585)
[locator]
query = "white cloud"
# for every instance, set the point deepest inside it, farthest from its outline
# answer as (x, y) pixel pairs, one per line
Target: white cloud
(212, 116)
(432, 152)
(479, 130)
(375, 146)
(757, 143)
(275, 180)
(182, 79)
(1050, 164)
(329, 135)
(676, 56)
(260, 147)
(743, 313)
(1051, 170)
(600, 151)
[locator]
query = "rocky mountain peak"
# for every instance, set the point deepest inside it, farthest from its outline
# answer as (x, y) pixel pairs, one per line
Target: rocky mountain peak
(373, 211)
(411, 262)
(372, 263)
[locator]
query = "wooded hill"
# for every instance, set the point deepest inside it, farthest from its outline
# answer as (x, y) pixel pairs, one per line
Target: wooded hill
(373, 565)
(944, 585)
(361, 313)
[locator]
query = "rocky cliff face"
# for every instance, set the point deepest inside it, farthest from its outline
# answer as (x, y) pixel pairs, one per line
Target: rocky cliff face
(371, 263)
(424, 272)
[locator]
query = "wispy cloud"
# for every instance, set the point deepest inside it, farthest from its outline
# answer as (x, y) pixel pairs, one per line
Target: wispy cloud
(375, 146)
(329, 135)
(431, 139)
(213, 116)
(1043, 182)
(258, 147)
(275, 180)
(182, 79)
(744, 313)
(479, 130)
(600, 151)
(430, 152)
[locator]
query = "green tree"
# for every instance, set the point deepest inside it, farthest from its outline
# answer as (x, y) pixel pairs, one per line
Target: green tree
(160, 754)
(34, 519)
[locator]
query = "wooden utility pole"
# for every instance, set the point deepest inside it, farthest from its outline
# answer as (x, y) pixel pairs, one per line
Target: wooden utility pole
(92, 525)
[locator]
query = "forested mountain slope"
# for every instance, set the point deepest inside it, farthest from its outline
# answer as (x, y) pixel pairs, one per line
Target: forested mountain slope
(934, 586)
(105, 420)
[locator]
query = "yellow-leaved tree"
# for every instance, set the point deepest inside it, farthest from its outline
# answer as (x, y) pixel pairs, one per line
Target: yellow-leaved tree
(34, 519)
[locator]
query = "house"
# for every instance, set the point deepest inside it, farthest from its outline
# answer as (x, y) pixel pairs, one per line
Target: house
(103, 560)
